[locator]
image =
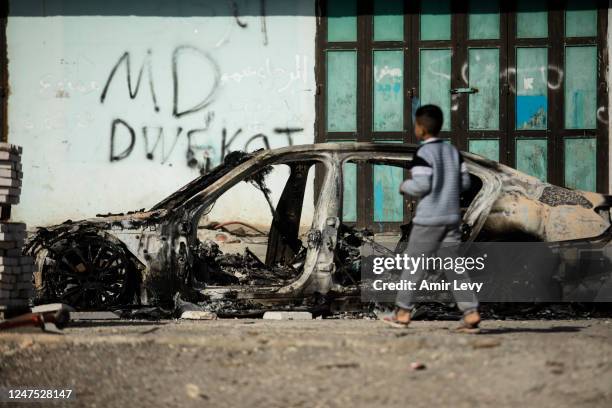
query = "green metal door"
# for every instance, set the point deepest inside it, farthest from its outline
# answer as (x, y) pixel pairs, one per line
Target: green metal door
(518, 82)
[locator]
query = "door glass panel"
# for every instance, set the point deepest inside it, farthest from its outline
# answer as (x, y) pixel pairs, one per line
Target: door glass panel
(388, 91)
(484, 76)
(342, 20)
(349, 196)
(532, 157)
(341, 98)
(435, 20)
(580, 163)
(581, 18)
(531, 19)
(388, 202)
(580, 87)
(488, 148)
(388, 20)
(483, 19)
(531, 88)
(435, 81)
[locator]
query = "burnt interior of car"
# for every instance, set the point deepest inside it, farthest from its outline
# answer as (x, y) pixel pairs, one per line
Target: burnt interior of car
(239, 253)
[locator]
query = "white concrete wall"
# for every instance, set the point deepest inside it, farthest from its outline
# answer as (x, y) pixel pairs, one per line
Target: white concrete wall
(249, 81)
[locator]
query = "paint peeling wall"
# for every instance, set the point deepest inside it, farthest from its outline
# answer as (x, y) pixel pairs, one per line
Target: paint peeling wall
(117, 111)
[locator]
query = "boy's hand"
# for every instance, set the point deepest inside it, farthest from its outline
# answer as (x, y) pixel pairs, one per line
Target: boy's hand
(408, 177)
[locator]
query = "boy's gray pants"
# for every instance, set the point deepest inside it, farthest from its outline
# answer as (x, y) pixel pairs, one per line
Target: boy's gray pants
(425, 241)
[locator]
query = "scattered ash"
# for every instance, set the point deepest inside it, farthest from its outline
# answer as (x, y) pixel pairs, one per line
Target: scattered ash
(216, 268)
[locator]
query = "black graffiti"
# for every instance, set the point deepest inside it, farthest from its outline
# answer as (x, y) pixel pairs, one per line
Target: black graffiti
(237, 15)
(225, 144)
(125, 153)
(264, 28)
(175, 80)
(260, 136)
(289, 132)
(150, 153)
(155, 140)
(125, 60)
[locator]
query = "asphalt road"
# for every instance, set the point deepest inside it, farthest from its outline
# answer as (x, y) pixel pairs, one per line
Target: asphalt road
(318, 363)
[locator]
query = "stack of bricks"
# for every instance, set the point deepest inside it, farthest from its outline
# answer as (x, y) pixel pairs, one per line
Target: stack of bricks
(16, 288)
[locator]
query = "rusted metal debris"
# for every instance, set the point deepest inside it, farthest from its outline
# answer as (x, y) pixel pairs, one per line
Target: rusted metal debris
(143, 259)
(49, 318)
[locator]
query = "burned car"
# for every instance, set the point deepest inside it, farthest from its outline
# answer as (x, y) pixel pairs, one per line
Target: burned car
(199, 243)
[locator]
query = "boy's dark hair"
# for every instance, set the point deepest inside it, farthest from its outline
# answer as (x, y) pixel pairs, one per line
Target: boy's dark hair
(431, 118)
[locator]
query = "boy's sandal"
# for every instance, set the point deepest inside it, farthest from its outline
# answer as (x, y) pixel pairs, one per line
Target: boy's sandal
(392, 321)
(468, 327)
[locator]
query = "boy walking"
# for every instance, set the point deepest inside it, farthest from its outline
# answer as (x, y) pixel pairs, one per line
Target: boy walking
(438, 176)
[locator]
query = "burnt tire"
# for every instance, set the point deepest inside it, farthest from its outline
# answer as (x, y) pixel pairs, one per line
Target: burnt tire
(88, 273)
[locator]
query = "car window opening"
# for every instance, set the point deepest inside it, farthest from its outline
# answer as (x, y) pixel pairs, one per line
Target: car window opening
(234, 251)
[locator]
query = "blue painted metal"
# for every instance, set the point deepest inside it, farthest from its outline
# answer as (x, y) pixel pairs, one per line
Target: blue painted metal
(388, 202)
(531, 111)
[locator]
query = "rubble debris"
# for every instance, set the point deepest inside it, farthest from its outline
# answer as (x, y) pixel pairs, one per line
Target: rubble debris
(146, 313)
(556, 367)
(191, 311)
(275, 315)
(198, 315)
(49, 318)
(193, 392)
(217, 268)
(417, 366)
(485, 343)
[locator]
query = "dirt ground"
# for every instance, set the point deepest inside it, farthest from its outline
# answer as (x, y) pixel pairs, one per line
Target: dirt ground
(316, 363)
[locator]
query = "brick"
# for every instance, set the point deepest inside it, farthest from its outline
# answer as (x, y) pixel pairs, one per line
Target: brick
(10, 253)
(198, 315)
(10, 156)
(7, 285)
(9, 147)
(26, 260)
(10, 262)
(13, 269)
(9, 182)
(12, 200)
(12, 226)
(287, 315)
(25, 277)
(10, 173)
(8, 278)
(11, 165)
(26, 293)
(15, 302)
(24, 285)
(11, 244)
(10, 191)
(12, 236)
(27, 269)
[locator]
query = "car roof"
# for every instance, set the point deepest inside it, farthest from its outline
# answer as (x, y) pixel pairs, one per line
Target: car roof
(343, 147)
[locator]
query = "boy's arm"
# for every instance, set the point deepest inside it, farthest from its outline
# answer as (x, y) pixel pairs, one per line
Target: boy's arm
(465, 175)
(420, 182)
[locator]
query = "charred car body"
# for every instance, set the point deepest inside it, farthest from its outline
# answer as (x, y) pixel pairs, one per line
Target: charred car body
(147, 257)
